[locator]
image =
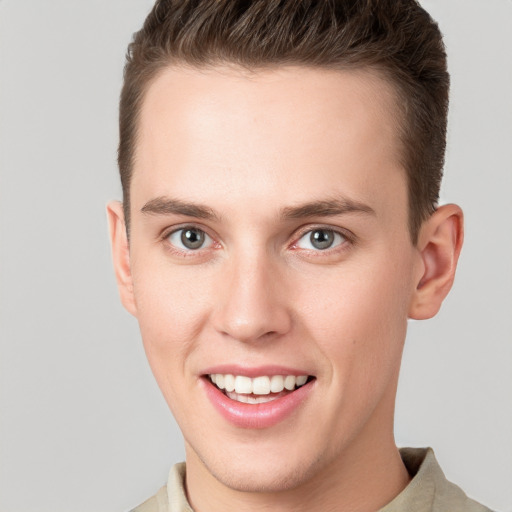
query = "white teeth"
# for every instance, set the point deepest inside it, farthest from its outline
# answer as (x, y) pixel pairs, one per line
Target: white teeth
(241, 385)
(251, 399)
(277, 383)
(242, 398)
(289, 382)
(301, 380)
(219, 380)
(229, 382)
(261, 386)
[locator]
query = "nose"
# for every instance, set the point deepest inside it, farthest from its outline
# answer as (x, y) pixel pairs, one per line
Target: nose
(252, 302)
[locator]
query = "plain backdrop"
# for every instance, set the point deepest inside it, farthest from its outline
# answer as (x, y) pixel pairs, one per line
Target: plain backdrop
(82, 424)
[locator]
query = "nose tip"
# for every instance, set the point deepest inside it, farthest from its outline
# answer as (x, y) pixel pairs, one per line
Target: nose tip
(247, 331)
(251, 304)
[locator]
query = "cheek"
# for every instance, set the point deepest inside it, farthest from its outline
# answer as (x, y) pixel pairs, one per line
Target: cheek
(168, 297)
(172, 306)
(359, 318)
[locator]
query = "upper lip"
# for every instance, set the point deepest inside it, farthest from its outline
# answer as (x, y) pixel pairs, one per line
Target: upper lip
(254, 371)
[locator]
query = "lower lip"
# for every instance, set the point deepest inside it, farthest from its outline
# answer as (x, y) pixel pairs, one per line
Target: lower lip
(256, 416)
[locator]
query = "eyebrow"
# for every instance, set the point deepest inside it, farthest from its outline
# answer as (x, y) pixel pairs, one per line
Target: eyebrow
(322, 208)
(326, 208)
(169, 206)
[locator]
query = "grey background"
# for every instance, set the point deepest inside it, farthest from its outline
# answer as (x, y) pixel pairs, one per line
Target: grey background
(82, 424)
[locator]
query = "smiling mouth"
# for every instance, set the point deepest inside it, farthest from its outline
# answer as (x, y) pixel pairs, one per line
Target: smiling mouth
(257, 390)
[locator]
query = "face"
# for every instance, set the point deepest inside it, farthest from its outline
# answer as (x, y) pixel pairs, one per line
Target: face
(270, 253)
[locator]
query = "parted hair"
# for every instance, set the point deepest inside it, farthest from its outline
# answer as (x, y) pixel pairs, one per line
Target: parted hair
(396, 38)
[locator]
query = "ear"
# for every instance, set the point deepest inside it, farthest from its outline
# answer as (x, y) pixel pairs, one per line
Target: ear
(439, 244)
(121, 255)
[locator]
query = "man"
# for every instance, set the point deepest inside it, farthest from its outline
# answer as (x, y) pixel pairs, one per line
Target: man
(281, 165)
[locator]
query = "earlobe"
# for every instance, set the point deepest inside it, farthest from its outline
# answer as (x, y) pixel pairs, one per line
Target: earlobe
(439, 245)
(121, 255)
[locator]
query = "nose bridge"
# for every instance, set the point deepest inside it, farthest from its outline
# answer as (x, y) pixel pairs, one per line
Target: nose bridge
(251, 304)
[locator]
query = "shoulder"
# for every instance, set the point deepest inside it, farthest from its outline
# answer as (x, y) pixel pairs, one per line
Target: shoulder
(449, 496)
(429, 490)
(157, 503)
(170, 497)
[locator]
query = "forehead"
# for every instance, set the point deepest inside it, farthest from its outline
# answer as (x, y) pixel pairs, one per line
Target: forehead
(285, 134)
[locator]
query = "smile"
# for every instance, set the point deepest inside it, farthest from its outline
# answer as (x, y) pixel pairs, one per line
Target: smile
(259, 401)
(257, 390)
(258, 397)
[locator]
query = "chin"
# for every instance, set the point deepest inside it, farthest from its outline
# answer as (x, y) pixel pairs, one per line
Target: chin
(271, 478)
(264, 469)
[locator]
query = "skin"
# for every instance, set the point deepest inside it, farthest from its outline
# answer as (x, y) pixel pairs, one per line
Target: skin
(248, 147)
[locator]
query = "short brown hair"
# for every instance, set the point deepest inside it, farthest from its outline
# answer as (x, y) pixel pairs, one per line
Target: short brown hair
(396, 37)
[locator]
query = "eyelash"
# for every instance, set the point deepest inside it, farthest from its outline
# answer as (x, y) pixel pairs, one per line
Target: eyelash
(348, 240)
(184, 253)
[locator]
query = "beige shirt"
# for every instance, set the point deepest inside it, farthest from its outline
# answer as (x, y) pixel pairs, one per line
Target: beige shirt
(428, 491)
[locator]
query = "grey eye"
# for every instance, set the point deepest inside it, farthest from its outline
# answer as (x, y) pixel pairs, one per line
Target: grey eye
(189, 239)
(320, 239)
(192, 238)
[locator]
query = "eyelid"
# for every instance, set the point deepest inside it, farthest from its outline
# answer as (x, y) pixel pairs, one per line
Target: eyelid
(303, 230)
(176, 240)
(183, 225)
(299, 233)
(349, 237)
(167, 232)
(305, 241)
